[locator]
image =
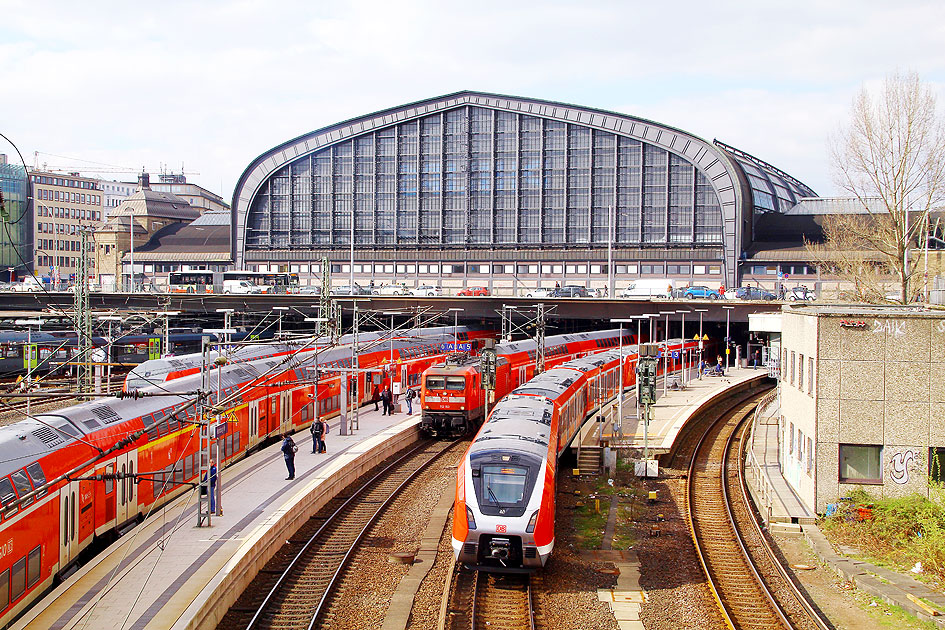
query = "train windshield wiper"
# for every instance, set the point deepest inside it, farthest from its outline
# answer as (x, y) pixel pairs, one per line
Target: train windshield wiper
(492, 494)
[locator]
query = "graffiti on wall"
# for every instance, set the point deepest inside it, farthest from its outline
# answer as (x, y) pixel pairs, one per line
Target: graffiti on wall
(899, 465)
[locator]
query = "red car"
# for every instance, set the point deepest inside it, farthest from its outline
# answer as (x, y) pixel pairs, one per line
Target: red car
(474, 291)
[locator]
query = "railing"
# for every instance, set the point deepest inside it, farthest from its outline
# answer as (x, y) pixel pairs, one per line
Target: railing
(756, 475)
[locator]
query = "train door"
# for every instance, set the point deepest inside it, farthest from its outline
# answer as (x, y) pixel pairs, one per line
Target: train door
(253, 429)
(285, 410)
(30, 357)
(125, 490)
(404, 379)
(522, 375)
(68, 523)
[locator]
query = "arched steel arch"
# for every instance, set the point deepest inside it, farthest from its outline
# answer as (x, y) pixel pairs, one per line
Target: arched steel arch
(713, 163)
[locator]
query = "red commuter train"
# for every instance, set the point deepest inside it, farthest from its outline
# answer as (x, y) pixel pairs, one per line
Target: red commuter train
(452, 400)
(504, 510)
(52, 510)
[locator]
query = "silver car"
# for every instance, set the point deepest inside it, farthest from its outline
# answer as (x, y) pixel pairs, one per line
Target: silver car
(539, 292)
(427, 290)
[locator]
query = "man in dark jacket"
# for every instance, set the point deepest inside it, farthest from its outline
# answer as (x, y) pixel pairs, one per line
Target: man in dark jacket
(288, 452)
(409, 396)
(318, 430)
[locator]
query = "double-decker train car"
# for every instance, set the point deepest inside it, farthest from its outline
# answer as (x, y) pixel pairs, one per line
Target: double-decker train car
(52, 509)
(156, 371)
(452, 400)
(52, 351)
(504, 510)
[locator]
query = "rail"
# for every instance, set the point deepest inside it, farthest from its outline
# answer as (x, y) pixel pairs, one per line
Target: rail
(336, 519)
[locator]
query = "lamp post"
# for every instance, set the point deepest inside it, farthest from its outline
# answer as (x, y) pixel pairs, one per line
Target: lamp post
(29, 323)
(682, 348)
(108, 354)
(167, 331)
(226, 326)
(619, 423)
(666, 353)
(131, 239)
(728, 351)
(701, 342)
(281, 310)
(456, 312)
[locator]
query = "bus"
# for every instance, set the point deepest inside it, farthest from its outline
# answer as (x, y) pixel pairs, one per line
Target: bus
(272, 282)
(190, 282)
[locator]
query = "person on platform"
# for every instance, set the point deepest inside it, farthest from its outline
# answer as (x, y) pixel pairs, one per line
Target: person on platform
(375, 396)
(719, 369)
(318, 431)
(288, 452)
(213, 486)
(387, 398)
(755, 359)
(409, 396)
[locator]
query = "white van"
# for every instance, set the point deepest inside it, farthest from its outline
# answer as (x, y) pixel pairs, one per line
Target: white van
(240, 286)
(30, 284)
(647, 288)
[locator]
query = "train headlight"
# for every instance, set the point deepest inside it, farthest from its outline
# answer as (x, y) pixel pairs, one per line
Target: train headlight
(530, 529)
(470, 518)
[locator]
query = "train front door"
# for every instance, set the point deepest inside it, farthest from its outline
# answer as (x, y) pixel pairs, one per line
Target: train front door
(68, 523)
(253, 408)
(126, 495)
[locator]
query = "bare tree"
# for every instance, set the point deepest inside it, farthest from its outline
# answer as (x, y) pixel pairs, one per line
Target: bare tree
(891, 158)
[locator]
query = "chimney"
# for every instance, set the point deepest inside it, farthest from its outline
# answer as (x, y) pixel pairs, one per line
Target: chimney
(144, 181)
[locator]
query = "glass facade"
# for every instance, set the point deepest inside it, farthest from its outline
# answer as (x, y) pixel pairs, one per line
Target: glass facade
(16, 223)
(478, 177)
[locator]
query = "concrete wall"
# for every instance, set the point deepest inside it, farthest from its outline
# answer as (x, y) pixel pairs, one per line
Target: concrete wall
(798, 406)
(880, 380)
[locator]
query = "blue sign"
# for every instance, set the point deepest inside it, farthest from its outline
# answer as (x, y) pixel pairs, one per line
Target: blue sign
(459, 347)
(675, 354)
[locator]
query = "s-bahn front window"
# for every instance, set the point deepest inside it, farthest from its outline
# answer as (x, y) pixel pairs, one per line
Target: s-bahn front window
(455, 382)
(503, 486)
(435, 382)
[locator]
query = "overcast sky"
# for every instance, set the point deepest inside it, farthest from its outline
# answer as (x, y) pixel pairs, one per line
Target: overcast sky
(210, 85)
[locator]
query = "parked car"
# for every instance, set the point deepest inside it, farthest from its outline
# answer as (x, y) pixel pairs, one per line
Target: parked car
(344, 289)
(750, 293)
(701, 292)
(243, 287)
(539, 292)
(310, 290)
(30, 284)
(427, 290)
(648, 288)
(392, 289)
(801, 294)
(570, 292)
(474, 291)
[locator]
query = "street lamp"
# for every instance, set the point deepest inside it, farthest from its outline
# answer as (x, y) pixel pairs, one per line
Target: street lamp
(226, 325)
(281, 309)
(666, 353)
(701, 342)
(728, 312)
(682, 349)
(456, 312)
(108, 355)
(29, 323)
(619, 423)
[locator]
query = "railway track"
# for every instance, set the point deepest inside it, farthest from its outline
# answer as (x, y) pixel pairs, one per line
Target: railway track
(750, 591)
(300, 596)
(477, 600)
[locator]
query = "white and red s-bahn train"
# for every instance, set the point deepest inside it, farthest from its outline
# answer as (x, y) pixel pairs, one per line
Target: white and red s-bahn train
(74, 476)
(504, 510)
(452, 400)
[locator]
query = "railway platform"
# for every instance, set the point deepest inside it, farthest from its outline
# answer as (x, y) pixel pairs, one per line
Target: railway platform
(672, 410)
(169, 573)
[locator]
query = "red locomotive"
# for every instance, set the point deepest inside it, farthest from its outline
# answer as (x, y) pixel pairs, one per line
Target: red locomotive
(452, 399)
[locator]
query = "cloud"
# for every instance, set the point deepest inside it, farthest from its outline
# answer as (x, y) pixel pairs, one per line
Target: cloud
(211, 85)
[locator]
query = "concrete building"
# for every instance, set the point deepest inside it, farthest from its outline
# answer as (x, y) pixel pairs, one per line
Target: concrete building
(862, 400)
(139, 217)
(114, 193)
(16, 232)
(484, 189)
(64, 204)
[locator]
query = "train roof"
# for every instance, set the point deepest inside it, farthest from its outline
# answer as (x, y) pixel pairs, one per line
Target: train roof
(529, 344)
(519, 423)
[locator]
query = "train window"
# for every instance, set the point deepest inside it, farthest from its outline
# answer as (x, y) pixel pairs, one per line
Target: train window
(11, 352)
(109, 482)
(33, 566)
(455, 382)
(188, 467)
(435, 382)
(236, 442)
(6, 491)
(18, 579)
(131, 481)
(65, 519)
(35, 471)
(4, 589)
(22, 484)
(503, 484)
